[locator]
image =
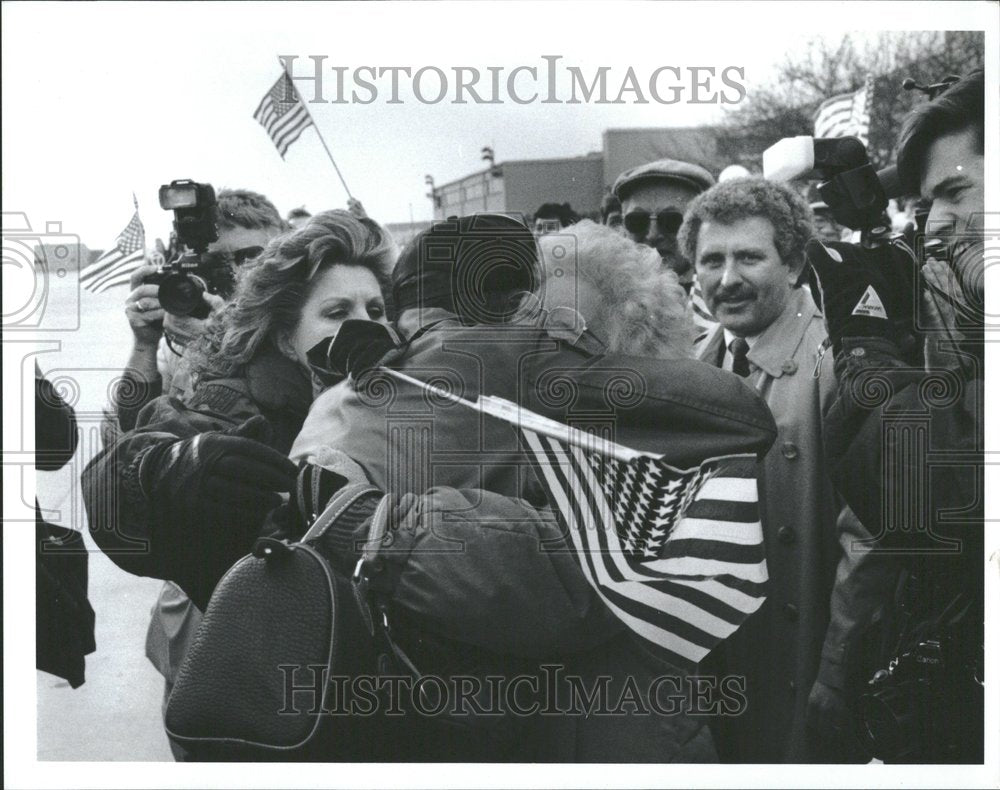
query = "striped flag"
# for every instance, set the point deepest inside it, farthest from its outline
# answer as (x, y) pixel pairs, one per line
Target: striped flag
(847, 115)
(283, 114)
(677, 555)
(115, 267)
(704, 321)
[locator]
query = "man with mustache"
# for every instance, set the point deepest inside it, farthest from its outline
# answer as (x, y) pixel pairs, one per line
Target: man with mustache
(747, 240)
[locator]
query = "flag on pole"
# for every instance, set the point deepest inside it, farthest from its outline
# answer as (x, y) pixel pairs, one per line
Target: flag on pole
(115, 267)
(676, 554)
(282, 113)
(848, 114)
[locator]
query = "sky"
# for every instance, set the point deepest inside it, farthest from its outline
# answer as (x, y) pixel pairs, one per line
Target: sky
(103, 100)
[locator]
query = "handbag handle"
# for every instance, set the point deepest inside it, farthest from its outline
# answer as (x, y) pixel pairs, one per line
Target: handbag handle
(336, 507)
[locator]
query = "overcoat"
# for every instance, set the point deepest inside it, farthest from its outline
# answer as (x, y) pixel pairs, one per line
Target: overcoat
(824, 586)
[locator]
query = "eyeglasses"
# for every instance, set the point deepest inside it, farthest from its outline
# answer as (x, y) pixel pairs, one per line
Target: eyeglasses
(668, 221)
(234, 257)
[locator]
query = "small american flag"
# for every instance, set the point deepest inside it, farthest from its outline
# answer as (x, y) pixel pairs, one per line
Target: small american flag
(847, 114)
(704, 321)
(282, 113)
(115, 267)
(677, 555)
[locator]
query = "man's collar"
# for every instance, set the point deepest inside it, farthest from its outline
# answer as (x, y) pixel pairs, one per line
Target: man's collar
(415, 318)
(775, 347)
(728, 338)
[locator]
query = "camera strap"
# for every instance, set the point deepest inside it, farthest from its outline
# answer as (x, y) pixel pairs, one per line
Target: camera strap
(170, 339)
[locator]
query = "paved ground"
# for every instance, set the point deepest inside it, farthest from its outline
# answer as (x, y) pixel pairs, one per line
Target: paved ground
(115, 715)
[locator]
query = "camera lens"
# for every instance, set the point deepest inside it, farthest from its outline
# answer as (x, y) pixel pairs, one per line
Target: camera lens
(181, 295)
(894, 721)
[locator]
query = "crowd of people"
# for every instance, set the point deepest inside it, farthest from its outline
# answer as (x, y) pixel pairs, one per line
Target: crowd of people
(741, 320)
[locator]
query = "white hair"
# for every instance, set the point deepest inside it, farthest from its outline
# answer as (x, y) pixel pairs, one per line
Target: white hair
(640, 308)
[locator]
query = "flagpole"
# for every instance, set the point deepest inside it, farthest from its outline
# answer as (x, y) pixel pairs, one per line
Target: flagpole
(318, 133)
(525, 419)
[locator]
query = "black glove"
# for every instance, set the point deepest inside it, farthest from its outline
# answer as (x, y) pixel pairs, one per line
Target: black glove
(209, 496)
(358, 347)
(865, 292)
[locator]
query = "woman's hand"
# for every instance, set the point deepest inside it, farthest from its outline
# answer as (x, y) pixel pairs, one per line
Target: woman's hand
(230, 478)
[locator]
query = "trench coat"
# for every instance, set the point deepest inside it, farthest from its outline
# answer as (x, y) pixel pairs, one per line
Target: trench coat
(824, 587)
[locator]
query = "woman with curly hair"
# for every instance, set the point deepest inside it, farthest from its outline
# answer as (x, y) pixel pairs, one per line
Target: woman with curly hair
(192, 484)
(597, 279)
(211, 464)
(301, 289)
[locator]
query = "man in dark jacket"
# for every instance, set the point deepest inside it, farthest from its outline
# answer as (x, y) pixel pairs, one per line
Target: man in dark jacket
(64, 619)
(905, 435)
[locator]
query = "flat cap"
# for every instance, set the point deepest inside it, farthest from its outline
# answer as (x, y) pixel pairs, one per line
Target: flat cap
(663, 170)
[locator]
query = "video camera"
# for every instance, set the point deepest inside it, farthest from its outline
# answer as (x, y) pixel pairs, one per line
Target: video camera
(192, 271)
(856, 193)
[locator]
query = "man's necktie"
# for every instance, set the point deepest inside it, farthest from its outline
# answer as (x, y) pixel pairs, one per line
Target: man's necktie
(739, 348)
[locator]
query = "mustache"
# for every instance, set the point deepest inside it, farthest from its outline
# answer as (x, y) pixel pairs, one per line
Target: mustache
(733, 295)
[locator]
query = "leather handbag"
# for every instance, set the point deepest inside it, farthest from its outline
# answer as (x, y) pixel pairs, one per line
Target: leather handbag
(282, 631)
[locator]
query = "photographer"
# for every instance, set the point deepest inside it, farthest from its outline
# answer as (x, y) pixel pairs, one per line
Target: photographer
(246, 221)
(182, 495)
(905, 436)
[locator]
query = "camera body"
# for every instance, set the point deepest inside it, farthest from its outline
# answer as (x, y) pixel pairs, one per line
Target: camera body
(856, 193)
(917, 709)
(192, 272)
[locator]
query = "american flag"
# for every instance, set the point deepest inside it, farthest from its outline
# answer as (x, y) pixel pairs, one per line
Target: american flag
(115, 267)
(677, 555)
(704, 321)
(847, 114)
(282, 113)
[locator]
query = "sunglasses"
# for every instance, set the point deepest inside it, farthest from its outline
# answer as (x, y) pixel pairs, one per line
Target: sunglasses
(235, 257)
(637, 222)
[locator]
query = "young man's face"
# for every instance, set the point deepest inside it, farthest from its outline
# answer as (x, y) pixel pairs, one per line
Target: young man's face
(745, 283)
(953, 182)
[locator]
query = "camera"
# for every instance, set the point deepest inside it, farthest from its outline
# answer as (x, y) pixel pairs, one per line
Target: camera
(856, 193)
(925, 706)
(192, 271)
